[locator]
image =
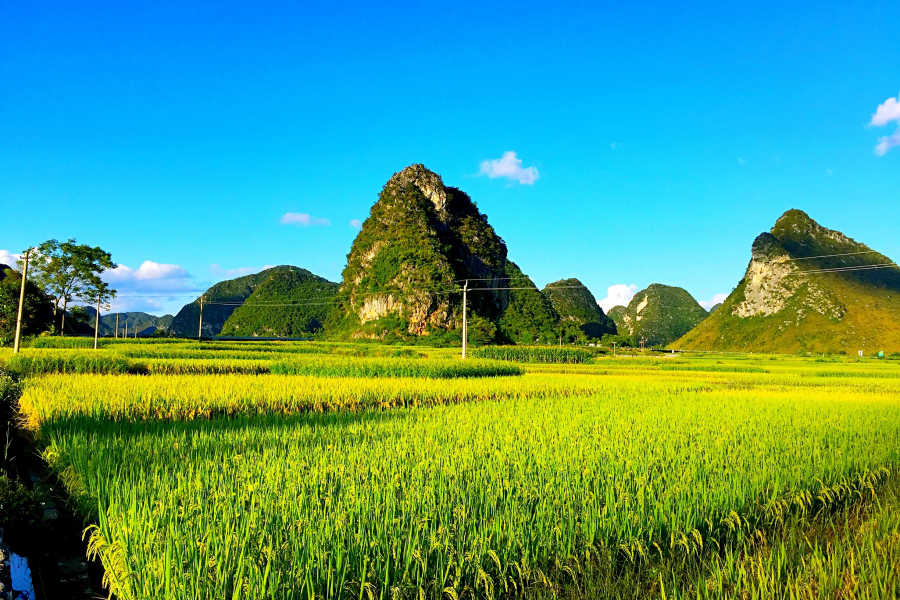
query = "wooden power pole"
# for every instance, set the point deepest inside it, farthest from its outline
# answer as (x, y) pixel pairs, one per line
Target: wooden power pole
(200, 328)
(117, 325)
(21, 303)
(97, 321)
(465, 336)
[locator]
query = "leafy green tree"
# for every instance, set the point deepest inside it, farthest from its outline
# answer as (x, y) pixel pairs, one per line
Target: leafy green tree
(65, 270)
(37, 315)
(98, 294)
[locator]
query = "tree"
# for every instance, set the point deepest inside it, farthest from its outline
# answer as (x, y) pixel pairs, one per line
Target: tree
(97, 293)
(65, 269)
(37, 314)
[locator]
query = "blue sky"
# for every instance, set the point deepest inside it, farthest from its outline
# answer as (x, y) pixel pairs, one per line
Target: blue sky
(662, 137)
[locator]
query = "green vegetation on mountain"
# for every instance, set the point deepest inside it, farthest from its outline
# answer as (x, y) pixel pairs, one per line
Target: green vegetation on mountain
(137, 322)
(807, 289)
(289, 303)
(530, 317)
(659, 315)
(406, 265)
(576, 306)
(219, 302)
(715, 308)
(617, 314)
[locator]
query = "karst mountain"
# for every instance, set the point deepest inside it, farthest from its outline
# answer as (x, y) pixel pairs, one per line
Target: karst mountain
(807, 289)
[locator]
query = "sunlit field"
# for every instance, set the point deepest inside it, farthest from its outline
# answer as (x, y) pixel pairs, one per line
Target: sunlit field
(303, 470)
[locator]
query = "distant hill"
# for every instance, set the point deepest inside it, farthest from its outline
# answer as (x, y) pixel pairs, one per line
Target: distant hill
(219, 302)
(807, 289)
(659, 314)
(136, 322)
(575, 304)
(289, 303)
(530, 316)
(3, 269)
(715, 308)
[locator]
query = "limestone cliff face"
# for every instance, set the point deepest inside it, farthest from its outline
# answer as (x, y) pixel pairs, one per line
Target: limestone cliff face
(420, 240)
(807, 288)
(774, 277)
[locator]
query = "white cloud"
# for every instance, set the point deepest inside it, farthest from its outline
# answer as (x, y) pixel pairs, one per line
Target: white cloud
(355, 223)
(716, 299)
(148, 270)
(221, 273)
(510, 167)
(741, 161)
(302, 219)
(8, 258)
(617, 295)
(887, 142)
(888, 111)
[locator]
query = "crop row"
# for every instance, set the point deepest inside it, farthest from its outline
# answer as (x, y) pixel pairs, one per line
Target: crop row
(533, 354)
(466, 499)
(39, 362)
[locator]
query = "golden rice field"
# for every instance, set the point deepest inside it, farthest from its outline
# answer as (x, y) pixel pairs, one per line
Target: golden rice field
(663, 477)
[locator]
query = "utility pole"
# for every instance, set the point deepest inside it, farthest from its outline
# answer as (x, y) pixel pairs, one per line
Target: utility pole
(21, 303)
(117, 325)
(614, 349)
(126, 328)
(465, 340)
(97, 322)
(200, 328)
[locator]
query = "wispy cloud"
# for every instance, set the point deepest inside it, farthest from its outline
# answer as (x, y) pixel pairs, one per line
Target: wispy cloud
(147, 270)
(619, 294)
(509, 167)
(887, 112)
(716, 299)
(615, 145)
(355, 223)
(302, 219)
(887, 142)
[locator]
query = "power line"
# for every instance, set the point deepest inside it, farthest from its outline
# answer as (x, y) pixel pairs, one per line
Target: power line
(856, 268)
(833, 255)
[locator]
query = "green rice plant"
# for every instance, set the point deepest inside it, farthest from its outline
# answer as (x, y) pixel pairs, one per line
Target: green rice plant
(395, 367)
(497, 487)
(38, 362)
(533, 354)
(63, 342)
(188, 397)
(164, 366)
(715, 368)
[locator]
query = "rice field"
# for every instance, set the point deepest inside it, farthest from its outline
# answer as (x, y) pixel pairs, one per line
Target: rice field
(692, 476)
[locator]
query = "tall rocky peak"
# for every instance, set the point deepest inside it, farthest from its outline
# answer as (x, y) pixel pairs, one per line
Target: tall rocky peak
(807, 287)
(421, 239)
(659, 315)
